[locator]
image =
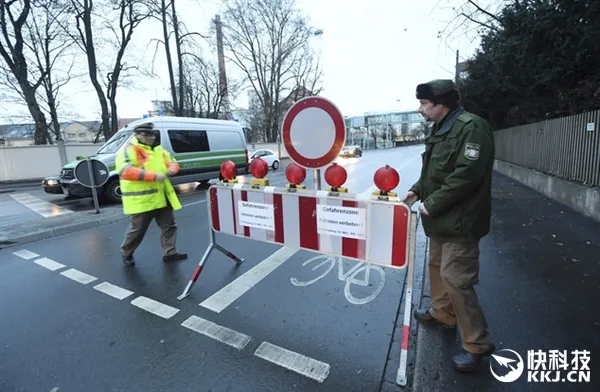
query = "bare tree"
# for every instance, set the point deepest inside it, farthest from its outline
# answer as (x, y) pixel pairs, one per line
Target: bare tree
(266, 39)
(204, 97)
(471, 17)
(131, 14)
(50, 45)
(12, 49)
(308, 74)
(184, 43)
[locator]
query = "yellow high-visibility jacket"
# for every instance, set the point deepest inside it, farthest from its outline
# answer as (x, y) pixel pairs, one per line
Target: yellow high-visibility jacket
(138, 165)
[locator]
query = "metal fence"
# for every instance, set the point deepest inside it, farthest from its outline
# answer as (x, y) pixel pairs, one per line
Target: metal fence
(567, 148)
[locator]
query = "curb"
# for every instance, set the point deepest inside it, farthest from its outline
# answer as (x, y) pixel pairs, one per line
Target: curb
(59, 231)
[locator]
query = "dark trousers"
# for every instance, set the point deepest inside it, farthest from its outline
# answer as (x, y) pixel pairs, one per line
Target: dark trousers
(138, 225)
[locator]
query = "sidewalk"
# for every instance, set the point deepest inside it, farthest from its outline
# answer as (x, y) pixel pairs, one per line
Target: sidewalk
(539, 287)
(51, 227)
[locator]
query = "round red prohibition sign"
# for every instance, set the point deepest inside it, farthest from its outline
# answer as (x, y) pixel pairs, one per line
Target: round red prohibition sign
(313, 132)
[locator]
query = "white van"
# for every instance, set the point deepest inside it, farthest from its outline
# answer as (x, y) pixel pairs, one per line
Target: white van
(199, 145)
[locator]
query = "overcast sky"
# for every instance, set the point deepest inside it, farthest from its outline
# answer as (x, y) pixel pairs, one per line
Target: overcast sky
(374, 53)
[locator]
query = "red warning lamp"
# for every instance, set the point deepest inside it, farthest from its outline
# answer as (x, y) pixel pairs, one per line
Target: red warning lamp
(336, 176)
(295, 175)
(386, 178)
(228, 171)
(259, 169)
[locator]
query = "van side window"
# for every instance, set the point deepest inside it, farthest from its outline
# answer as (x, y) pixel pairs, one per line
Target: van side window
(188, 141)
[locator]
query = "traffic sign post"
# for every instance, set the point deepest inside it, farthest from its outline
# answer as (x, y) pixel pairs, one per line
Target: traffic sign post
(314, 133)
(92, 173)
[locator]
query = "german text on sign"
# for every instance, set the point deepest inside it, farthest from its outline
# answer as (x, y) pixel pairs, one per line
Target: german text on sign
(258, 215)
(341, 221)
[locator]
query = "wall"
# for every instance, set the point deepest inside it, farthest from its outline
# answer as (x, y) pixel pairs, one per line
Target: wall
(36, 162)
(567, 148)
(583, 199)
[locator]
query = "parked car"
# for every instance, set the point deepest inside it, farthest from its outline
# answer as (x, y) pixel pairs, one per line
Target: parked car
(52, 185)
(199, 145)
(269, 156)
(351, 151)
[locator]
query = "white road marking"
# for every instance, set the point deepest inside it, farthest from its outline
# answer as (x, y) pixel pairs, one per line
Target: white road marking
(49, 264)
(25, 254)
(293, 361)
(112, 290)
(228, 294)
(367, 192)
(194, 202)
(40, 206)
(155, 307)
(78, 276)
(218, 332)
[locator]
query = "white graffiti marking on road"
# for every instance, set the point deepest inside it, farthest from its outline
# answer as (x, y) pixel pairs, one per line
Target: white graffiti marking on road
(350, 277)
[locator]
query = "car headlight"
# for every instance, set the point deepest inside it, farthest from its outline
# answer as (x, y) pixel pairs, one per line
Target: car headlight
(52, 182)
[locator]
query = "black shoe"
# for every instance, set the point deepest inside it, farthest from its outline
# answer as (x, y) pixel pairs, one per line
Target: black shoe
(128, 260)
(175, 257)
(425, 318)
(468, 362)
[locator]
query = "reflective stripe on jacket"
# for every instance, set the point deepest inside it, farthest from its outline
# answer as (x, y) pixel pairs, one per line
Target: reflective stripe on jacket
(138, 165)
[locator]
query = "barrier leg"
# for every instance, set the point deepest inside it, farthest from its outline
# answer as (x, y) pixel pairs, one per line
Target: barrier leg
(213, 245)
(197, 271)
(401, 376)
(227, 253)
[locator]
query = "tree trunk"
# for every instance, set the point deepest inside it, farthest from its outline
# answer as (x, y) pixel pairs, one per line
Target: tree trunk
(179, 57)
(93, 68)
(169, 61)
(41, 128)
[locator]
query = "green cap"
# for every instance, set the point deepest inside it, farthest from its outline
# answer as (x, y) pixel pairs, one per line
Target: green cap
(435, 88)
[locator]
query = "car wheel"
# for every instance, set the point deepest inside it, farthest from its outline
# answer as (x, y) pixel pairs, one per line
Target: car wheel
(275, 165)
(112, 191)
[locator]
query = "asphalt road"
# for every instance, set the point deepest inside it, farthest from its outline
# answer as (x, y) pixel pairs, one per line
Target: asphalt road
(73, 317)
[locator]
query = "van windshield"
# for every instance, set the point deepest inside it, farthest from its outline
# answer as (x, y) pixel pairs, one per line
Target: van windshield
(114, 143)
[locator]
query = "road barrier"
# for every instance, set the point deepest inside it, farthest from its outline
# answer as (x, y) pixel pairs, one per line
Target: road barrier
(377, 229)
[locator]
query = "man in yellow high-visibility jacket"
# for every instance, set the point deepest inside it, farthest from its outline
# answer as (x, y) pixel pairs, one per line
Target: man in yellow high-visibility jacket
(147, 194)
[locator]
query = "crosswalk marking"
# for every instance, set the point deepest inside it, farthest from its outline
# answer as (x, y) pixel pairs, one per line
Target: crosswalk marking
(293, 361)
(112, 290)
(78, 276)
(155, 307)
(40, 206)
(49, 264)
(25, 254)
(218, 332)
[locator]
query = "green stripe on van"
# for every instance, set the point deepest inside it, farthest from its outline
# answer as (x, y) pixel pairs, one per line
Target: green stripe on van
(209, 162)
(211, 154)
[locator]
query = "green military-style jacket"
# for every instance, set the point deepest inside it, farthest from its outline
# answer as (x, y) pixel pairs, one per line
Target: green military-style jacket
(456, 178)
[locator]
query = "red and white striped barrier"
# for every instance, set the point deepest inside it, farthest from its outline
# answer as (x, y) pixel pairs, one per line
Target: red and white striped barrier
(293, 219)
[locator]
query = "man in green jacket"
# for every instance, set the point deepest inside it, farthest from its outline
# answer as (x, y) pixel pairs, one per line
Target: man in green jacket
(455, 190)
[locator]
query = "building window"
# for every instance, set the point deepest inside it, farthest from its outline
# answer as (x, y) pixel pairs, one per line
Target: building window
(188, 141)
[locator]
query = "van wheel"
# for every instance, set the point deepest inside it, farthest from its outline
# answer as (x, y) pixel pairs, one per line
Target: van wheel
(275, 165)
(112, 191)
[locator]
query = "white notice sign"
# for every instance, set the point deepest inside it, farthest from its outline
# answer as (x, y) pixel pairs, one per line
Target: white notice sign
(257, 215)
(347, 222)
(591, 126)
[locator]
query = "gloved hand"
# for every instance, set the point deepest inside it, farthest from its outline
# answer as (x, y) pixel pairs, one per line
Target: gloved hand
(160, 177)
